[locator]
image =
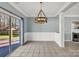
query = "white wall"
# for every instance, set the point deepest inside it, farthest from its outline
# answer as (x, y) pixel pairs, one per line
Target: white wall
(43, 36)
(61, 29)
(58, 39)
(25, 30)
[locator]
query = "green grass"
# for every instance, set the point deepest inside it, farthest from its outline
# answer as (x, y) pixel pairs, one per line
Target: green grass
(4, 37)
(16, 35)
(7, 36)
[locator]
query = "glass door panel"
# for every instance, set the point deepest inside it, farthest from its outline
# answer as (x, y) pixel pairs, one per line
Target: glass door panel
(4, 35)
(15, 33)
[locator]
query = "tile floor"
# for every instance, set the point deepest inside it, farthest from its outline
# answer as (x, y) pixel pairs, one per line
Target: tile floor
(46, 49)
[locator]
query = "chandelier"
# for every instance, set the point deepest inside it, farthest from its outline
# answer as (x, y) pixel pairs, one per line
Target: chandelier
(41, 18)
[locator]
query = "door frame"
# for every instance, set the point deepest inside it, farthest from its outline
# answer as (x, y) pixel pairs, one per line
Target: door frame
(22, 31)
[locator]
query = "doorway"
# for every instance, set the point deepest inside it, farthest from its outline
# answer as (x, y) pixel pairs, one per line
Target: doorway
(75, 31)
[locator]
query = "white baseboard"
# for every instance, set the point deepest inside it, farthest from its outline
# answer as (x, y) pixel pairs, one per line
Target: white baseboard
(67, 40)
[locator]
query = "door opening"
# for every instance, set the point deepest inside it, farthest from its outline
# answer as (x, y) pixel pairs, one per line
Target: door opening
(75, 31)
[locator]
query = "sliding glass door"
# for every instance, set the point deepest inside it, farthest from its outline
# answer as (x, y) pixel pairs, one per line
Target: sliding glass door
(4, 34)
(9, 34)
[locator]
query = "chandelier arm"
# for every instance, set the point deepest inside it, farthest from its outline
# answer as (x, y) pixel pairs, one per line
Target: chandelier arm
(39, 13)
(43, 13)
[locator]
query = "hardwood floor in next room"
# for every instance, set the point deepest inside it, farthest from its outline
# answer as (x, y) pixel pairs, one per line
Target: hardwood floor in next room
(45, 49)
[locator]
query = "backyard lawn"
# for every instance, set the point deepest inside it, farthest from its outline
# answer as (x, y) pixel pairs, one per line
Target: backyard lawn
(7, 36)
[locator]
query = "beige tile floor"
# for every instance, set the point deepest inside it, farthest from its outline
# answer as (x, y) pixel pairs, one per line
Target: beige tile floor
(46, 49)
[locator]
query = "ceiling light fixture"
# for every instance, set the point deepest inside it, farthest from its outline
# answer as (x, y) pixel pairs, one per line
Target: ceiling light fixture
(41, 18)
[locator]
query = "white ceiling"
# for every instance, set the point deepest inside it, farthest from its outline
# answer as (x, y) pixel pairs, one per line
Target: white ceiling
(74, 11)
(51, 9)
(31, 9)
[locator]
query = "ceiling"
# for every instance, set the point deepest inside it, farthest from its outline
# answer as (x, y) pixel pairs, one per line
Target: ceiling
(51, 9)
(74, 11)
(31, 9)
